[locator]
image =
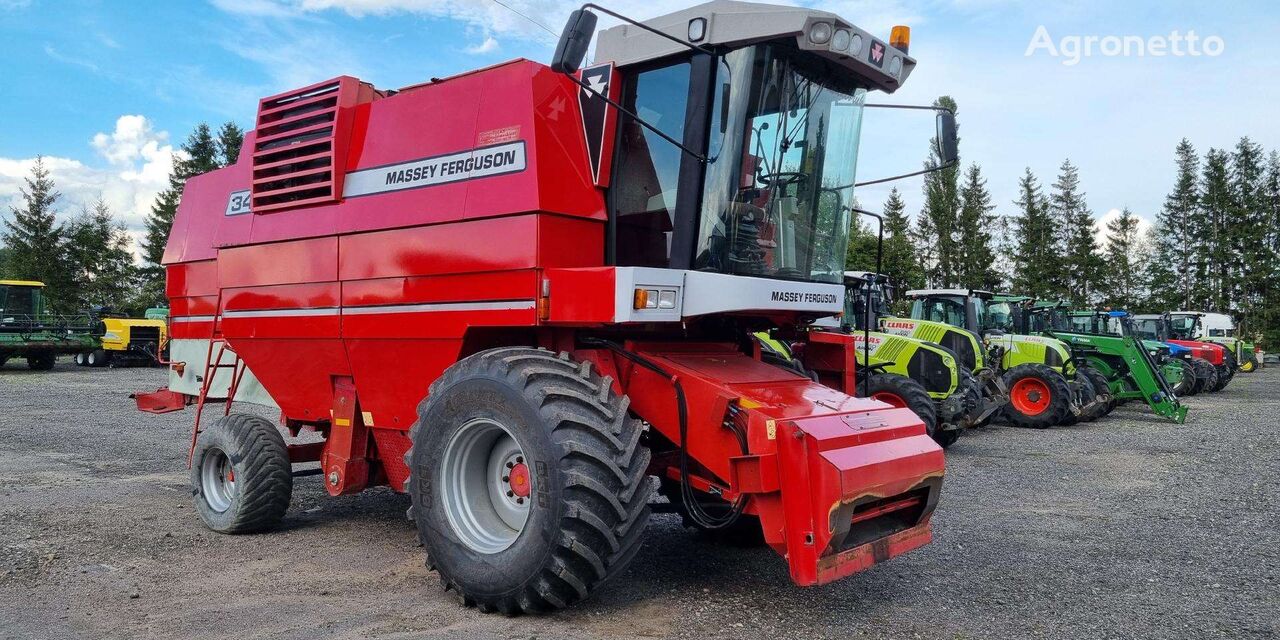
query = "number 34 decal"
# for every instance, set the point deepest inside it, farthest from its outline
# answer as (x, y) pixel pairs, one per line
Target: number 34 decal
(238, 203)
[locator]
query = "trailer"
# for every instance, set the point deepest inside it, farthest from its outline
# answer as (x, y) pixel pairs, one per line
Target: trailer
(519, 294)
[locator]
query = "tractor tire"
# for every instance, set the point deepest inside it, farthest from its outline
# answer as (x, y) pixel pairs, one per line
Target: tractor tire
(1101, 386)
(80, 359)
(42, 361)
(241, 477)
(903, 392)
(745, 532)
(1084, 394)
(1227, 371)
(97, 358)
(1206, 375)
(517, 536)
(1186, 386)
(1039, 397)
(1249, 363)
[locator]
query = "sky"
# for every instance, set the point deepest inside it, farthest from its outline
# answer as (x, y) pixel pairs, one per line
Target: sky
(106, 90)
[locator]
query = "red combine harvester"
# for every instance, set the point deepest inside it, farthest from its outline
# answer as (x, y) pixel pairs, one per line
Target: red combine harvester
(518, 293)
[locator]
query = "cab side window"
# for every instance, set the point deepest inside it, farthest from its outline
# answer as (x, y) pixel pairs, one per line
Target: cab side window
(647, 170)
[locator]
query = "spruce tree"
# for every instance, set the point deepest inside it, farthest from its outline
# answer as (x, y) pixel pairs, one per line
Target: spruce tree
(98, 248)
(1245, 232)
(230, 139)
(925, 239)
(1078, 264)
(1123, 279)
(975, 225)
(1171, 272)
(1214, 286)
(199, 155)
(942, 208)
(1035, 249)
(900, 261)
(36, 242)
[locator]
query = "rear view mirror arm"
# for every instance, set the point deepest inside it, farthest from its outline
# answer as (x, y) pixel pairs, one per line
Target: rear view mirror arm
(945, 165)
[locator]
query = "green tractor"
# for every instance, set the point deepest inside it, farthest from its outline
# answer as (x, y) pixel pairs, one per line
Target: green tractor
(1045, 389)
(1106, 349)
(28, 330)
(1174, 362)
(906, 371)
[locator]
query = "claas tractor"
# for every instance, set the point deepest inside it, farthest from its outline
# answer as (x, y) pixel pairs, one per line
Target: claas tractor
(1219, 328)
(520, 294)
(1213, 364)
(1120, 367)
(1044, 388)
(29, 330)
(907, 371)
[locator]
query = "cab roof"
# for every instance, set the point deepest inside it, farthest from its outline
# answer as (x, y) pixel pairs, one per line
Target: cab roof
(730, 23)
(964, 293)
(22, 283)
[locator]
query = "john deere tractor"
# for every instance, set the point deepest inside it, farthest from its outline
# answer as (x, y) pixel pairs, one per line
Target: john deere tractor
(1172, 361)
(28, 330)
(1120, 367)
(1044, 386)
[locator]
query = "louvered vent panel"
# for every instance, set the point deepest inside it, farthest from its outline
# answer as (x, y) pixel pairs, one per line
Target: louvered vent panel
(300, 143)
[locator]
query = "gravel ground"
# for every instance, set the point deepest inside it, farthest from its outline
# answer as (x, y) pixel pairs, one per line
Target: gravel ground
(1129, 527)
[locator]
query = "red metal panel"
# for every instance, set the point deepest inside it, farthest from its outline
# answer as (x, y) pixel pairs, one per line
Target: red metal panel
(498, 285)
(297, 374)
(441, 249)
(284, 296)
(581, 296)
(569, 242)
(314, 260)
(393, 375)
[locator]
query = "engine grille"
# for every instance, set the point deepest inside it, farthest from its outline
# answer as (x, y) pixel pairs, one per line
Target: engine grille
(299, 150)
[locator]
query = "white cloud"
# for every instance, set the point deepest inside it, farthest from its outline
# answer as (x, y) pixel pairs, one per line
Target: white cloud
(490, 44)
(1100, 227)
(138, 161)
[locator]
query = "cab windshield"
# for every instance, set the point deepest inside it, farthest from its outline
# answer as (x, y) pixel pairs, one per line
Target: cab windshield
(1183, 327)
(939, 309)
(1000, 316)
(777, 197)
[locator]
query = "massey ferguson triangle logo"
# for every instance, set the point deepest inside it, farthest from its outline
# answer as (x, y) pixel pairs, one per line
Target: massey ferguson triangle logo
(595, 111)
(877, 53)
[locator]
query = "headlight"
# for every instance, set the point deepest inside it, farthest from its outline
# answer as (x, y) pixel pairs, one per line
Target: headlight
(820, 33)
(840, 41)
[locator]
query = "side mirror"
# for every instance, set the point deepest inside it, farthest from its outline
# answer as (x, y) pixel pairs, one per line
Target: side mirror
(574, 40)
(948, 143)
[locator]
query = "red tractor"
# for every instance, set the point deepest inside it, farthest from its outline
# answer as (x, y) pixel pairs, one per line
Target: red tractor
(520, 293)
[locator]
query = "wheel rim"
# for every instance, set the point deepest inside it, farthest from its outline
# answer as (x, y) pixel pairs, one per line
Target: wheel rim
(217, 480)
(486, 486)
(1030, 396)
(891, 399)
(92, 359)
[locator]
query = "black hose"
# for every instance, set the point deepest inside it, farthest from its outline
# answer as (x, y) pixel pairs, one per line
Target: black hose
(695, 511)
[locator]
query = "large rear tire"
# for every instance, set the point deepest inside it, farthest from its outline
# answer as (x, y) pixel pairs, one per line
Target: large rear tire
(241, 477)
(1039, 397)
(1227, 371)
(527, 479)
(1102, 387)
(901, 391)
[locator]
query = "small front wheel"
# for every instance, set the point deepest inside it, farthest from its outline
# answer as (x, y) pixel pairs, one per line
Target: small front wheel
(241, 477)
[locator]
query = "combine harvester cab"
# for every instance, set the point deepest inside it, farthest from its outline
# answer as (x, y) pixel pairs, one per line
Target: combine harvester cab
(1108, 350)
(1041, 379)
(516, 302)
(28, 330)
(1213, 364)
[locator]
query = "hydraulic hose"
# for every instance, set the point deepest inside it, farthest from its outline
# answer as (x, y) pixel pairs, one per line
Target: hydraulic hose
(692, 507)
